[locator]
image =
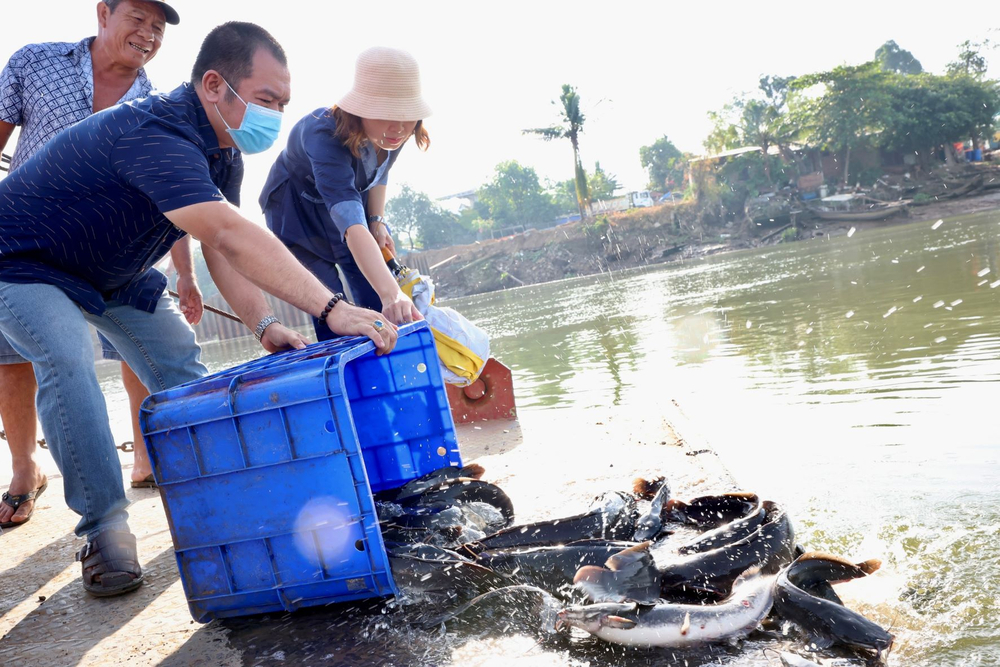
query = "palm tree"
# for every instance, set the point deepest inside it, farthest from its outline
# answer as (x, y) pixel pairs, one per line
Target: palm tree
(570, 129)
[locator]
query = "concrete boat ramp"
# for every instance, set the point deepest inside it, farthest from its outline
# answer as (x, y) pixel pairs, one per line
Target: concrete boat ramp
(550, 463)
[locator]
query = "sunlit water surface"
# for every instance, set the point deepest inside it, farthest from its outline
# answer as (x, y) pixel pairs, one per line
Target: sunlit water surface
(856, 380)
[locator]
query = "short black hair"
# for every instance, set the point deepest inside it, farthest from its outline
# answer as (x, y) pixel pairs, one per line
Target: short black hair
(112, 4)
(229, 50)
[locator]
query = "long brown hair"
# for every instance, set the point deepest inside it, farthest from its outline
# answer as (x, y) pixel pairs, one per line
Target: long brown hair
(352, 133)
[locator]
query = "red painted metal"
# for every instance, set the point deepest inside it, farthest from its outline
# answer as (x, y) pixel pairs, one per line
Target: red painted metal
(488, 398)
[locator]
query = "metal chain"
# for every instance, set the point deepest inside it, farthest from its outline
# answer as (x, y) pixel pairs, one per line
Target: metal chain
(127, 446)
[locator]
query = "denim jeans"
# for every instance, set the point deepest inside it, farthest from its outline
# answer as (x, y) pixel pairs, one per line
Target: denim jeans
(48, 329)
(7, 353)
(108, 350)
(9, 356)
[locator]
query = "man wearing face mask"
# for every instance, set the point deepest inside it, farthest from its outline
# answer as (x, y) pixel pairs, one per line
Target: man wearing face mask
(145, 174)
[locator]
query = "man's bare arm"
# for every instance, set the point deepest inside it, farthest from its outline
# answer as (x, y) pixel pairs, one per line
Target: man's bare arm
(254, 252)
(241, 295)
(249, 303)
(264, 261)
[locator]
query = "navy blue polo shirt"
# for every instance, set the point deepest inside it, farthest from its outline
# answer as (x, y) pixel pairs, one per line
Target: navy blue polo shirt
(86, 213)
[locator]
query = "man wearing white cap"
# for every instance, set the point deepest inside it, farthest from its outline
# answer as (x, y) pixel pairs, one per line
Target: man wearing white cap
(325, 195)
(45, 88)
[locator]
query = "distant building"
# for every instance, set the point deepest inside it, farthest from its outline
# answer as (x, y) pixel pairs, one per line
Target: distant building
(469, 198)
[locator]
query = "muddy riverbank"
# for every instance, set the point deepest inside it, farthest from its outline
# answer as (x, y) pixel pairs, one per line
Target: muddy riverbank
(640, 237)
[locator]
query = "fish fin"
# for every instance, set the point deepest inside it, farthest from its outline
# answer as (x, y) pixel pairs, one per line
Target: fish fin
(647, 488)
(631, 575)
(675, 509)
(597, 583)
(619, 622)
(473, 470)
(869, 566)
(589, 573)
(638, 554)
(847, 571)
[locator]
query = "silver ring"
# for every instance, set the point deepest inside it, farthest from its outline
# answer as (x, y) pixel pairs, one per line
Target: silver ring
(378, 325)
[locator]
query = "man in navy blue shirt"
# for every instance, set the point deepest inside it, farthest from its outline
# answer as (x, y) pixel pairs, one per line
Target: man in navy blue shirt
(83, 221)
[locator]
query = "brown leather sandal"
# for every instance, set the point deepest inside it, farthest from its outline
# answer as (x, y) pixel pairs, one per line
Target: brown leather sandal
(110, 564)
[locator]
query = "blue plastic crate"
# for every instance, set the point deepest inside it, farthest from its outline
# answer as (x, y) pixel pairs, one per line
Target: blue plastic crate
(267, 470)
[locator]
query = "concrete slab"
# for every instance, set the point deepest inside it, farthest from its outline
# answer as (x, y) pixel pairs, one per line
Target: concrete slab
(550, 463)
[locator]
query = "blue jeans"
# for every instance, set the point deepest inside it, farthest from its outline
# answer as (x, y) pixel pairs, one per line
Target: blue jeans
(48, 329)
(108, 350)
(9, 356)
(7, 353)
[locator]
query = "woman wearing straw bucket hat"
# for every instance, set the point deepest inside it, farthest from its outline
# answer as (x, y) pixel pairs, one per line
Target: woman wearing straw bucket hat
(325, 195)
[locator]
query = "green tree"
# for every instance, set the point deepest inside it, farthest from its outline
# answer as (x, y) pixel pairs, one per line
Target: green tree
(414, 216)
(405, 211)
(514, 197)
(725, 134)
(971, 60)
(664, 163)
(442, 228)
(781, 128)
(760, 121)
(897, 60)
(934, 110)
(855, 104)
(571, 128)
(602, 185)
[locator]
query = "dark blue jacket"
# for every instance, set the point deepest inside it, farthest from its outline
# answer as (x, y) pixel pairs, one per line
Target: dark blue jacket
(314, 173)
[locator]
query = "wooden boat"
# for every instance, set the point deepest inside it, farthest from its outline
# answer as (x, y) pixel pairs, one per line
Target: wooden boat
(846, 208)
(872, 214)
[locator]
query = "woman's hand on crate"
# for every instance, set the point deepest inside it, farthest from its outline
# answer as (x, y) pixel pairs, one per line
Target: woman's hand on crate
(349, 320)
(399, 309)
(278, 337)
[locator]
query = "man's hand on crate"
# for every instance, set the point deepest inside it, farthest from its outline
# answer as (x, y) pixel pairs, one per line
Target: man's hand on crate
(277, 337)
(348, 320)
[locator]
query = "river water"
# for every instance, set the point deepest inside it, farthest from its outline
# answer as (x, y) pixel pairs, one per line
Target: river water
(856, 380)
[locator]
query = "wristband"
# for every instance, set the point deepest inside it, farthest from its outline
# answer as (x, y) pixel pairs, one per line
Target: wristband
(375, 218)
(334, 300)
(263, 325)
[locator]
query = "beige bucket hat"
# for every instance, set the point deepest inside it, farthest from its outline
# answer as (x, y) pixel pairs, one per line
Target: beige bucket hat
(386, 87)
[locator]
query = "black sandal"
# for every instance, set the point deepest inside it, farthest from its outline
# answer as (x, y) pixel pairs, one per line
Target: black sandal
(110, 564)
(20, 499)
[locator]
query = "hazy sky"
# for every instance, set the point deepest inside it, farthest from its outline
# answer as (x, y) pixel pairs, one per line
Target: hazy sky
(643, 69)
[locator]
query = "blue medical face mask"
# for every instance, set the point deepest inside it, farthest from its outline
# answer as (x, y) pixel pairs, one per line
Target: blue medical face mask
(259, 129)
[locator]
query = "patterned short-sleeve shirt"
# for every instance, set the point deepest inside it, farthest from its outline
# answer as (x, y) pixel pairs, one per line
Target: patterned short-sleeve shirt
(86, 212)
(47, 87)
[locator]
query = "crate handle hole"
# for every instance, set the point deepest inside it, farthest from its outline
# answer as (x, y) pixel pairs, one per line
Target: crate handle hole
(360, 545)
(329, 426)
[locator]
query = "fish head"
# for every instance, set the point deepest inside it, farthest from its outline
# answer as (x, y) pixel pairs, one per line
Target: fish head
(593, 617)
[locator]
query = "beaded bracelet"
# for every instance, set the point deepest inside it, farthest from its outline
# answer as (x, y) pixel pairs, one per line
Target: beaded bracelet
(334, 300)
